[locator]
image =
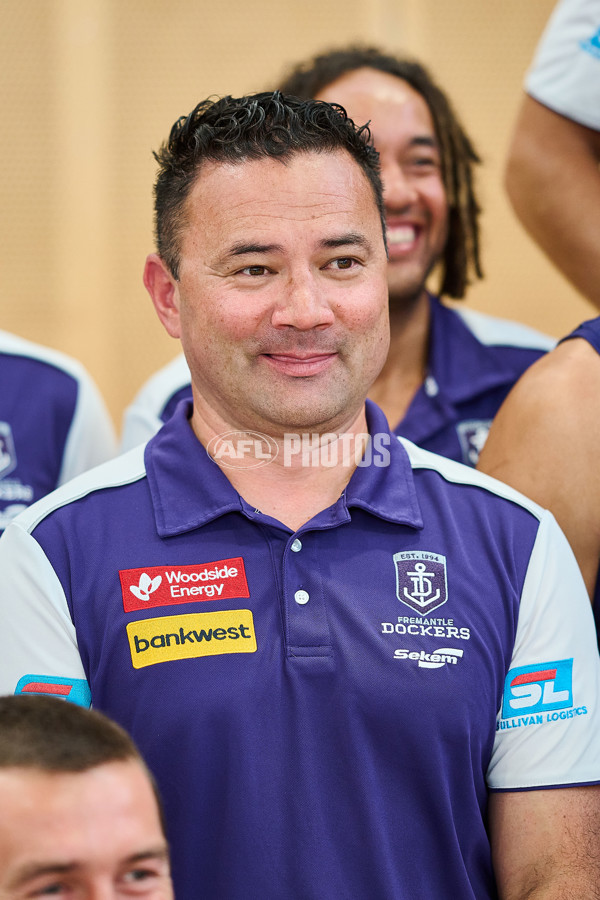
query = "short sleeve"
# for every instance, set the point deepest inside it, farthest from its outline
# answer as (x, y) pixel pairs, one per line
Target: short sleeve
(38, 644)
(565, 73)
(548, 724)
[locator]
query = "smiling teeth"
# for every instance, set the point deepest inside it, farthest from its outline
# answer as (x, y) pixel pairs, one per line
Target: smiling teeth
(401, 234)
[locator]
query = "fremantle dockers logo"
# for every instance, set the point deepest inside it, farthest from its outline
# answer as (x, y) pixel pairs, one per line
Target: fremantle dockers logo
(8, 456)
(421, 580)
(472, 435)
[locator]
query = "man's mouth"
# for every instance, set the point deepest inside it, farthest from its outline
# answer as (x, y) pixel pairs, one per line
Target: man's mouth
(402, 238)
(300, 364)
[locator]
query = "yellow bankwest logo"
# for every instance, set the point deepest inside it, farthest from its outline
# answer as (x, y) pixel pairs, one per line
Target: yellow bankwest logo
(185, 637)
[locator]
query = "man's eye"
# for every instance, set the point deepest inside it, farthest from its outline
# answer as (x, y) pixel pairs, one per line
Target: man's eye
(54, 889)
(424, 162)
(343, 263)
(139, 880)
(254, 270)
(140, 874)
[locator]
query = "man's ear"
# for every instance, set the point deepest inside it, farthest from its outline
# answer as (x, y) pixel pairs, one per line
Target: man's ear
(164, 290)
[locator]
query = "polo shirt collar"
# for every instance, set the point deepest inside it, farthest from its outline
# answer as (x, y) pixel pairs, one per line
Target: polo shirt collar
(461, 366)
(188, 488)
(386, 491)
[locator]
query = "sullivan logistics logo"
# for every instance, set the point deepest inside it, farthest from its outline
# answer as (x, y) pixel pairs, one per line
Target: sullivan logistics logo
(168, 585)
(539, 693)
(189, 636)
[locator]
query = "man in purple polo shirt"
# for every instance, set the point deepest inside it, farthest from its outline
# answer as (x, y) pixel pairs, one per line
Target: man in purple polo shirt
(448, 370)
(54, 424)
(356, 669)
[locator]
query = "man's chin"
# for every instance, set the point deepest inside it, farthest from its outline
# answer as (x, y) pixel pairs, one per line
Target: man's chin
(407, 285)
(406, 296)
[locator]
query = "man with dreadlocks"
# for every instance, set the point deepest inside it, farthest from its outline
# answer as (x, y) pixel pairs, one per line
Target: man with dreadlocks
(447, 371)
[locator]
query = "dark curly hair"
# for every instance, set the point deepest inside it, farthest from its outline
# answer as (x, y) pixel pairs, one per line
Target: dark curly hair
(460, 261)
(229, 129)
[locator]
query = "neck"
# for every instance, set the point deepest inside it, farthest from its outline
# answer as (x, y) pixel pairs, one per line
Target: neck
(288, 477)
(406, 365)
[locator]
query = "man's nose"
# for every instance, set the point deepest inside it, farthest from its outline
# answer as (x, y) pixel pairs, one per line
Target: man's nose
(100, 889)
(399, 189)
(303, 304)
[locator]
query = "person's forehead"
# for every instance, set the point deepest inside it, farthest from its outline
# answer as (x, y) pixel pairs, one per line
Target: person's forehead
(382, 97)
(59, 789)
(302, 186)
(45, 813)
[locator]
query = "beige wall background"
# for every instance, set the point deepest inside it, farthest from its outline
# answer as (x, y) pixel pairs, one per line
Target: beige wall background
(89, 87)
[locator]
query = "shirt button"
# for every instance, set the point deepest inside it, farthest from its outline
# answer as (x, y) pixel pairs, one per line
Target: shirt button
(297, 545)
(301, 597)
(431, 386)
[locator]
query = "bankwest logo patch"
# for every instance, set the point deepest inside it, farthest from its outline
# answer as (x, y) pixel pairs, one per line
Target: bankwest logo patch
(169, 638)
(538, 688)
(167, 585)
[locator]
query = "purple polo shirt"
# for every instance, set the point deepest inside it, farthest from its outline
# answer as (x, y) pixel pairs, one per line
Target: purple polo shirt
(53, 423)
(589, 331)
(325, 711)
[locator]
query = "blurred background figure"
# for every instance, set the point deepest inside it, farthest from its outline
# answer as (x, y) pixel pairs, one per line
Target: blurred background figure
(53, 423)
(448, 371)
(79, 812)
(545, 439)
(552, 174)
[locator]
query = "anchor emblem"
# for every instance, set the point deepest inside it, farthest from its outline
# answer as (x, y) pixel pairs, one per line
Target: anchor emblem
(8, 456)
(421, 580)
(422, 585)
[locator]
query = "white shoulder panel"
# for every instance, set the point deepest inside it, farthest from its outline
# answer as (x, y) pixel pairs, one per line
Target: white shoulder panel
(38, 639)
(494, 332)
(458, 473)
(565, 72)
(124, 469)
(91, 438)
(18, 346)
(549, 718)
(142, 418)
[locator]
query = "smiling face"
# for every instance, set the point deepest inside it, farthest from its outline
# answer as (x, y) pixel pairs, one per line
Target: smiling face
(281, 303)
(85, 834)
(415, 199)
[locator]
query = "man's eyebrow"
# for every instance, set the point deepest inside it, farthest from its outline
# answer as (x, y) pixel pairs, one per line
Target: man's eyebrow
(160, 852)
(40, 869)
(353, 238)
(424, 141)
(241, 249)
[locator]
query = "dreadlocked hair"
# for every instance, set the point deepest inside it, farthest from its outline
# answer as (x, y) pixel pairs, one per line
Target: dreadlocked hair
(460, 262)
